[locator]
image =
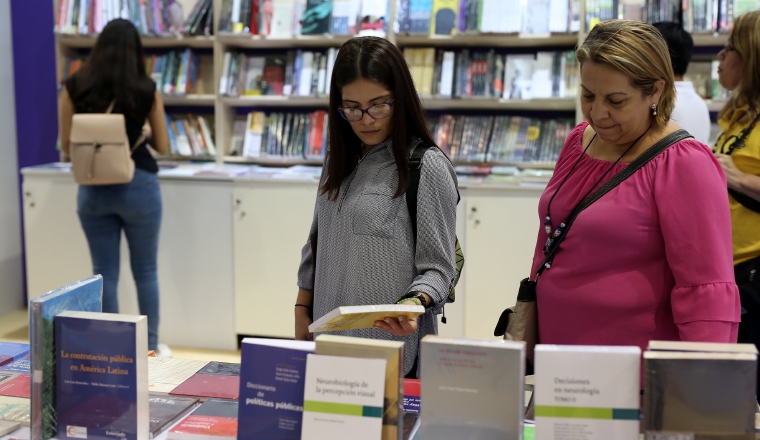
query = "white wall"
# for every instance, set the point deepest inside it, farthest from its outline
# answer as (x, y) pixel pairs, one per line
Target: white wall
(11, 281)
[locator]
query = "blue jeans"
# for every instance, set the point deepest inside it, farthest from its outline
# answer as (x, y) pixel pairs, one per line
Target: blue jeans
(104, 212)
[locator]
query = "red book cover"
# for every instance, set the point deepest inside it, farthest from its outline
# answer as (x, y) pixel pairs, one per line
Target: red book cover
(210, 385)
(15, 385)
(255, 17)
(215, 418)
(412, 396)
(317, 131)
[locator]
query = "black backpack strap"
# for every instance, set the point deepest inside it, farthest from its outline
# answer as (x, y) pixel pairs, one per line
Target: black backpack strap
(616, 180)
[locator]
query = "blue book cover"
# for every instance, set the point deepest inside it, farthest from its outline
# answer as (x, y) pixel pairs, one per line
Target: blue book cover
(102, 376)
(85, 295)
(12, 351)
(21, 366)
(419, 16)
(271, 388)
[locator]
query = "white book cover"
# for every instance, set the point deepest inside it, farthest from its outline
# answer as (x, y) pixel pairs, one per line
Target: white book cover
(542, 75)
(341, 17)
(282, 19)
(304, 82)
(587, 392)
(224, 80)
(447, 75)
(493, 19)
(235, 18)
(535, 20)
(343, 396)
(253, 134)
(472, 389)
(332, 53)
(376, 10)
(558, 15)
(518, 77)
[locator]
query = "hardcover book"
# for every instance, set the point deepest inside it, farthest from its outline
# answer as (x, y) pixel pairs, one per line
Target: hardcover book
(85, 295)
(102, 376)
(391, 352)
(206, 385)
(472, 389)
(412, 396)
(12, 351)
(353, 317)
(164, 410)
(343, 397)
(709, 347)
(316, 17)
(700, 396)
(215, 419)
(271, 388)
(587, 392)
(14, 385)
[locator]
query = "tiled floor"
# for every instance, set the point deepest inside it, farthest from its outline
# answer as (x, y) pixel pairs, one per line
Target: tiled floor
(14, 327)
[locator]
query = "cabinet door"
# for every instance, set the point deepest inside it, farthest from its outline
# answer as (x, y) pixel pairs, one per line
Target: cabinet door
(271, 226)
(500, 236)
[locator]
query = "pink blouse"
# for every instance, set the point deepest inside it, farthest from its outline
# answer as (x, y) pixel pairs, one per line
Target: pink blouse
(650, 260)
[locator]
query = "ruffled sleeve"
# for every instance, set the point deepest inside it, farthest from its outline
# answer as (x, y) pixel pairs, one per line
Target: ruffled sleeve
(692, 204)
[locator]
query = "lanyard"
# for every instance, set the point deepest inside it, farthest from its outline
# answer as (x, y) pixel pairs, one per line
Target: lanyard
(736, 141)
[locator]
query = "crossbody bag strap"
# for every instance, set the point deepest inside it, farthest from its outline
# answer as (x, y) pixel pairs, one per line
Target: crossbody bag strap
(616, 180)
(745, 200)
(142, 137)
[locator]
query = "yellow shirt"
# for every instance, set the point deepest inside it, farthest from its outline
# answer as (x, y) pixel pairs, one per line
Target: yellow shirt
(745, 223)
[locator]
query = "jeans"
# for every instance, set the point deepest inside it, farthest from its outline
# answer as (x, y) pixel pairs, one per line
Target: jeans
(104, 211)
(748, 280)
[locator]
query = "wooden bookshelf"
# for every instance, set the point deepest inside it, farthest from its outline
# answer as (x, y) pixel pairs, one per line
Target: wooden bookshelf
(488, 40)
(189, 100)
(709, 40)
(275, 161)
(275, 101)
(479, 103)
(169, 41)
(298, 41)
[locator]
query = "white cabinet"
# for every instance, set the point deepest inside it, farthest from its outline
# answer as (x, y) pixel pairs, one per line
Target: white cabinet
(194, 255)
(501, 226)
(271, 225)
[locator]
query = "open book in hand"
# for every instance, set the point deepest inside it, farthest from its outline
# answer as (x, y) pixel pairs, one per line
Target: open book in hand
(353, 317)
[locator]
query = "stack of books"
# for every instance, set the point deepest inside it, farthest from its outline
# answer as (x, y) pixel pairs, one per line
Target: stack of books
(285, 135)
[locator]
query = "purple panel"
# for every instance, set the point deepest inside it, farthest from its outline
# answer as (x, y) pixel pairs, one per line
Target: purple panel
(35, 78)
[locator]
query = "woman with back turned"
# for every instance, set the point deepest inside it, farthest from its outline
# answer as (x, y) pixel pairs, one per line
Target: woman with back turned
(114, 75)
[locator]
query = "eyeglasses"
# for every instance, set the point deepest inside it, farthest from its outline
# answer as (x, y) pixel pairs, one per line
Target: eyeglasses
(377, 111)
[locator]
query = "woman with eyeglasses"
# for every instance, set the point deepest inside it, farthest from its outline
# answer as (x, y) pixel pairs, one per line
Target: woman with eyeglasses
(737, 148)
(362, 248)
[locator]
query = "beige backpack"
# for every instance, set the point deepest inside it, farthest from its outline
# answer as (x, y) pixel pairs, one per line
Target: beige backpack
(100, 150)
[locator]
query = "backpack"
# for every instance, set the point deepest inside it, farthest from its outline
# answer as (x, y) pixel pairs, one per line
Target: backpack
(415, 165)
(100, 150)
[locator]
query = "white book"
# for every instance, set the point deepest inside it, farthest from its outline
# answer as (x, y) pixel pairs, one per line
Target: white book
(376, 10)
(70, 18)
(472, 389)
(224, 80)
(253, 134)
(282, 19)
(341, 17)
(542, 75)
(558, 15)
(299, 6)
(354, 317)
(587, 392)
(447, 75)
(518, 77)
(304, 81)
(343, 396)
(82, 24)
(332, 53)
(710, 347)
(535, 19)
(493, 19)
(237, 26)
(208, 139)
(322, 75)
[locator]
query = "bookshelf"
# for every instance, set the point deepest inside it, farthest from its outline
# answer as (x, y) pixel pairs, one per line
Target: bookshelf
(224, 110)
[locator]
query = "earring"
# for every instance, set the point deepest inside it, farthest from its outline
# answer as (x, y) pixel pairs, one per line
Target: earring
(654, 109)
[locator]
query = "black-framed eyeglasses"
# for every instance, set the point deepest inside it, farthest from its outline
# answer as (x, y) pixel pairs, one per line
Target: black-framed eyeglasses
(377, 111)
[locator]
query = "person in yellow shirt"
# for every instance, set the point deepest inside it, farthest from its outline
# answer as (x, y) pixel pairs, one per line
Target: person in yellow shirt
(737, 148)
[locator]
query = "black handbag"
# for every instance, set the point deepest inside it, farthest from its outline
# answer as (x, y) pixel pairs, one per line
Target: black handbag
(521, 322)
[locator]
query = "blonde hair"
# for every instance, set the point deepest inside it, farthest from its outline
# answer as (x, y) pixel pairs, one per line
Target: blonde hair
(637, 50)
(745, 38)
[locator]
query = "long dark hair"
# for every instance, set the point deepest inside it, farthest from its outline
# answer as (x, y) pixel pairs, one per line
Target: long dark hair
(114, 70)
(374, 59)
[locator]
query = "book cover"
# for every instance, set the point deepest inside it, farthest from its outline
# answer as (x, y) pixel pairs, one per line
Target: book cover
(390, 351)
(343, 396)
(214, 419)
(419, 16)
(15, 385)
(443, 19)
(164, 410)
(587, 392)
(23, 366)
(316, 18)
(485, 379)
(274, 76)
(412, 396)
(12, 351)
(709, 347)
(282, 18)
(102, 376)
(272, 388)
(85, 295)
(7, 427)
(518, 77)
(700, 396)
(353, 317)
(373, 18)
(219, 386)
(15, 409)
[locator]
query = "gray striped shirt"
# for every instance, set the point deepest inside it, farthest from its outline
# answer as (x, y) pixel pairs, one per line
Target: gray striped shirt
(365, 247)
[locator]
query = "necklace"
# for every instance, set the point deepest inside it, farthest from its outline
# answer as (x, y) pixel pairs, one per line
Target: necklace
(561, 228)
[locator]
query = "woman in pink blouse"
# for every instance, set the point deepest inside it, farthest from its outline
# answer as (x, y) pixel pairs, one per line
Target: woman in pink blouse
(651, 259)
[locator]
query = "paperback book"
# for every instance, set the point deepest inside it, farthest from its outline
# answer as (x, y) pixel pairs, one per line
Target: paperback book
(392, 352)
(342, 397)
(15, 409)
(217, 379)
(353, 317)
(164, 410)
(166, 374)
(102, 376)
(21, 366)
(272, 388)
(412, 389)
(472, 389)
(215, 419)
(12, 351)
(15, 385)
(85, 295)
(587, 392)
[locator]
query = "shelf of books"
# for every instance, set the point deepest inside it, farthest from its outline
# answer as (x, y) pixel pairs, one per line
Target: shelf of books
(88, 41)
